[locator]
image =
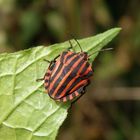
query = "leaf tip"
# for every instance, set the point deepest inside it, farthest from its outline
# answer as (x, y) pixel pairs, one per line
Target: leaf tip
(117, 30)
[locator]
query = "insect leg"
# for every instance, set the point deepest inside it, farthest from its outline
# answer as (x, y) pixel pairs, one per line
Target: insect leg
(40, 79)
(47, 60)
(46, 76)
(71, 47)
(52, 63)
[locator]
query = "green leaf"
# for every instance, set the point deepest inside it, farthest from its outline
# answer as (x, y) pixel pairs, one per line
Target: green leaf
(26, 113)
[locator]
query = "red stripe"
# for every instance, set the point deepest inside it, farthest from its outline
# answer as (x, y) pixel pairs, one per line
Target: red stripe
(81, 83)
(60, 72)
(88, 69)
(58, 62)
(72, 81)
(65, 77)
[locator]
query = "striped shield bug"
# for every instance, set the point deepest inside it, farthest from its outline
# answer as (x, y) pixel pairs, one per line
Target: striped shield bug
(68, 75)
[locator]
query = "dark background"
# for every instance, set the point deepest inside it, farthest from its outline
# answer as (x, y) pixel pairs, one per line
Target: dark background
(111, 108)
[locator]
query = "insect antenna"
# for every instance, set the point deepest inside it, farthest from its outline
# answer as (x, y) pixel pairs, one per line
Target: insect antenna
(78, 44)
(40, 79)
(71, 47)
(107, 49)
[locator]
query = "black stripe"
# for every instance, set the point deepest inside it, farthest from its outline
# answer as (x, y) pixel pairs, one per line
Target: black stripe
(62, 56)
(75, 83)
(64, 72)
(70, 77)
(60, 65)
(70, 56)
(89, 74)
(85, 68)
(79, 79)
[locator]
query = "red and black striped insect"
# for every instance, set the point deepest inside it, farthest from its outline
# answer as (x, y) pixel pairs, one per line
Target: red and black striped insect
(68, 75)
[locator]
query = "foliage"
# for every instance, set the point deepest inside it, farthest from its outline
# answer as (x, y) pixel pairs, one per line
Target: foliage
(25, 111)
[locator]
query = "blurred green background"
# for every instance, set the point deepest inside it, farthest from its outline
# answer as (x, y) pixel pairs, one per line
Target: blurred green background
(111, 108)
